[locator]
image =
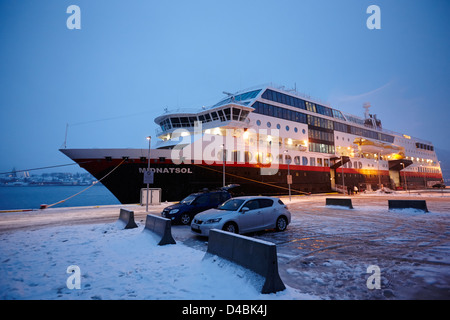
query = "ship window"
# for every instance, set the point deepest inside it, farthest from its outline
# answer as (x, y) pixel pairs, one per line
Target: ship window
(280, 159)
(295, 130)
(193, 120)
(267, 95)
(258, 122)
(269, 124)
(287, 128)
(221, 115)
(236, 156)
(319, 162)
(236, 113)
(288, 159)
(247, 156)
(214, 116)
(312, 161)
(176, 122)
(304, 161)
(201, 118)
(207, 117)
(227, 113)
(297, 160)
(243, 116)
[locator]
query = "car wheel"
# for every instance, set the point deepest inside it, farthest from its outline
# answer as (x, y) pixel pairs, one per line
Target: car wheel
(281, 224)
(230, 227)
(185, 219)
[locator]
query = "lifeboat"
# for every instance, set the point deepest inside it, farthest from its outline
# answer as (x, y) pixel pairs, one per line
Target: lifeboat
(378, 147)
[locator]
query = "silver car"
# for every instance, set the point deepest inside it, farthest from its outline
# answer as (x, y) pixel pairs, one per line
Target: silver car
(243, 215)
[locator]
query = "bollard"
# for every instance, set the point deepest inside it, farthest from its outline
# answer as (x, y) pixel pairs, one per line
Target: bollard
(256, 255)
(127, 217)
(343, 202)
(160, 227)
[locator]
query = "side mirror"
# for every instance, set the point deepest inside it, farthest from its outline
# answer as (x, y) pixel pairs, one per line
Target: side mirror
(244, 210)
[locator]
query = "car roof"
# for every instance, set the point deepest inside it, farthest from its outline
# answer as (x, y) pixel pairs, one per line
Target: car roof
(206, 192)
(255, 197)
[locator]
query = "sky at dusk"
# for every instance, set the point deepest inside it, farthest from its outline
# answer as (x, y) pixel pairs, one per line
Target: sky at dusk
(131, 59)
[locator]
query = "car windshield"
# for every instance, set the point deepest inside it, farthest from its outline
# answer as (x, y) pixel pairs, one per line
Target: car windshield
(231, 205)
(188, 200)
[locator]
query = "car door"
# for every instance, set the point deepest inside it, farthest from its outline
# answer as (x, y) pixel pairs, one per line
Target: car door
(200, 204)
(268, 212)
(252, 219)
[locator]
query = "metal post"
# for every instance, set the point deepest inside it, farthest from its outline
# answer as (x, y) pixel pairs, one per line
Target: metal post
(149, 138)
(379, 176)
(343, 184)
(289, 174)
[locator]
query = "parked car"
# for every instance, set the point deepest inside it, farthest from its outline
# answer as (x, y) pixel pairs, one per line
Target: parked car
(243, 215)
(439, 186)
(186, 209)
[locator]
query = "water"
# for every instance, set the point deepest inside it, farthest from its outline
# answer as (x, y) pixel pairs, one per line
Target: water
(31, 197)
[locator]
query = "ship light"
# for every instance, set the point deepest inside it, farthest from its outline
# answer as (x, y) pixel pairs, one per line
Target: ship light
(289, 141)
(208, 131)
(246, 135)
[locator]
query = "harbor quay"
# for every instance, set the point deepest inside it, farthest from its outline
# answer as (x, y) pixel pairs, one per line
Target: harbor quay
(329, 252)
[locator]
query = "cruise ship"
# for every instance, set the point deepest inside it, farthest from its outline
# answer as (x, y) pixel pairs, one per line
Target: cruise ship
(266, 140)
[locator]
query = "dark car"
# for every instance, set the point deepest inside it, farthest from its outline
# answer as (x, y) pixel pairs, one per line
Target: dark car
(439, 185)
(186, 209)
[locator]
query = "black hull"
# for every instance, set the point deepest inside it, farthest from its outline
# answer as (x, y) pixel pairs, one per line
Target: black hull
(178, 181)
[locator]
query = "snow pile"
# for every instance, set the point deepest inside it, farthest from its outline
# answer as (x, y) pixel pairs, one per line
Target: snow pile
(118, 264)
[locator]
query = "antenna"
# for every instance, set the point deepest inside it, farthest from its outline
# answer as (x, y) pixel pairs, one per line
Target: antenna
(367, 107)
(65, 138)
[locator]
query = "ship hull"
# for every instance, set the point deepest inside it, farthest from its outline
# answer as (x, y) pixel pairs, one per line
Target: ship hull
(122, 172)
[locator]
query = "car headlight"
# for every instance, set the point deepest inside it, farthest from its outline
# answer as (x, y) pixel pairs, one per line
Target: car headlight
(213, 220)
(173, 211)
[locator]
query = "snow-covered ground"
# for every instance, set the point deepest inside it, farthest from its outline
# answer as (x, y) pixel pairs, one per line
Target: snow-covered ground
(118, 264)
(324, 254)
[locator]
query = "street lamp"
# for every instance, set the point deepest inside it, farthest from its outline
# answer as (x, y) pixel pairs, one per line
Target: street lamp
(289, 177)
(149, 138)
(223, 164)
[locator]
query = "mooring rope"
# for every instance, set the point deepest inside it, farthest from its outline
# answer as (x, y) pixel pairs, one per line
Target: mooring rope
(51, 205)
(49, 167)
